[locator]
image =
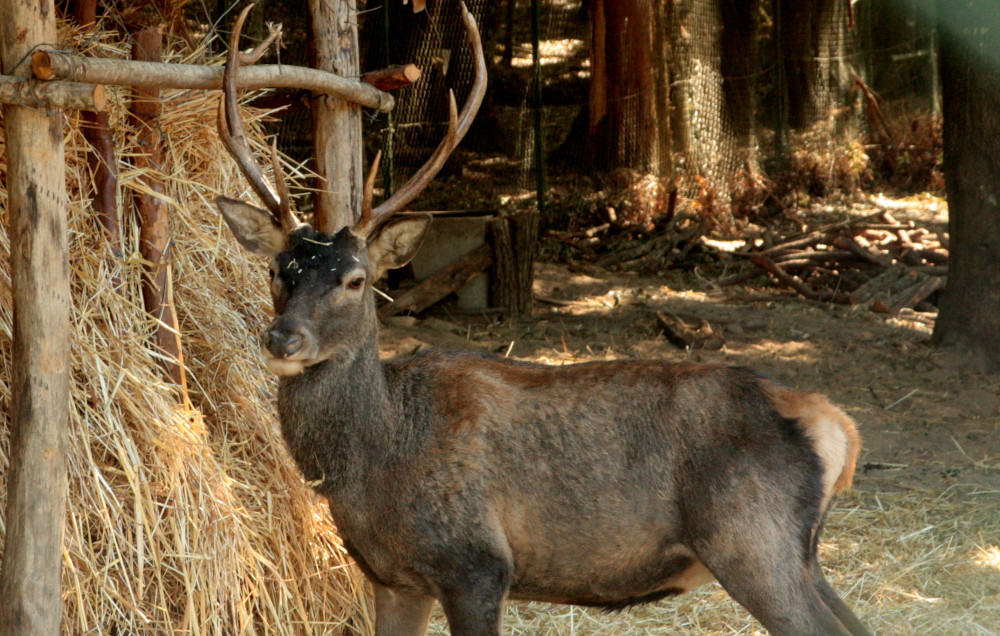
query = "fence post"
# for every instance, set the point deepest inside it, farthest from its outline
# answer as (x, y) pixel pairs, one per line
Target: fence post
(336, 123)
(30, 580)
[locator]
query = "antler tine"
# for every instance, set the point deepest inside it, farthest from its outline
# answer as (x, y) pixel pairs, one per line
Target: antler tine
(285, 215)
(458, 125)
(369, 192)
(251, 57)
(231, 127)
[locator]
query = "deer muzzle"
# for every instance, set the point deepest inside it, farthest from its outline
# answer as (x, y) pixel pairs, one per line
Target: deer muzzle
(288, 347)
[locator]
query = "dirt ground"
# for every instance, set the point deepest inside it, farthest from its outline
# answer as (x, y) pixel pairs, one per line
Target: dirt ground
(915, 548)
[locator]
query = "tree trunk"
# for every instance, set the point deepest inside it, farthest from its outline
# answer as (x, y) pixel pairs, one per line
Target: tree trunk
(814, 44)
(622, 124)
(969, 323)
(336, 124)
(30, 579)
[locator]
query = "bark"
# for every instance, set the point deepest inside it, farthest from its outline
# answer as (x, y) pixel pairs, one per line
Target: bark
(102, 160)
(622, 125)
(93, 70)
(52, 95)
(154, 221)
(515, 242)
(30, 578)
(813, 40)
(387, 79)
(969, 323)
(337, 139)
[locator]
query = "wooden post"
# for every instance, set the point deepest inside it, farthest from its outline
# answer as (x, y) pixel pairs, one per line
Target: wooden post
(154, 222)
(102, 160)
(336, 123)
(30, 579)
(515, 241)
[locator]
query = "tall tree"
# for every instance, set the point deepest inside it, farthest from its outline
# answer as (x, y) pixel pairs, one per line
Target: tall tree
(969, 324)
(622, 125)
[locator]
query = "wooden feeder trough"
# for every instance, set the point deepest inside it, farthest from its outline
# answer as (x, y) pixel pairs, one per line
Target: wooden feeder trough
(484, 258)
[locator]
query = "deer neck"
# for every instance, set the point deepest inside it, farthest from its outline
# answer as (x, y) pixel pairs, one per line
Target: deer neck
(337, 417)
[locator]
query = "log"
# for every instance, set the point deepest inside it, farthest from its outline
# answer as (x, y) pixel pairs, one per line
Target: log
(49, 65)
(154, 224)
(52, 95)
(503, 279)
(443, 282)
(388, 79)
(337, 143)
(872, 256)
(36, 484)
(916, 294)
(790, 281)
(525, 249)
(102, 160)
(515, 240)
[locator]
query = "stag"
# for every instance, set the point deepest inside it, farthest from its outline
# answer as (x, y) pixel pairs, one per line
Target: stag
(472, 480)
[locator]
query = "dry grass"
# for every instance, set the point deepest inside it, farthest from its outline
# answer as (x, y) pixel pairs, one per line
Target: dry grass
(180, 520)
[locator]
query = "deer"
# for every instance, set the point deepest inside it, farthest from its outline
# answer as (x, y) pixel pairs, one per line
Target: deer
(473, 480)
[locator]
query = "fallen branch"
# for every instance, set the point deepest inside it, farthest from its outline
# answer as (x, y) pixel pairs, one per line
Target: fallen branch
(791, 281)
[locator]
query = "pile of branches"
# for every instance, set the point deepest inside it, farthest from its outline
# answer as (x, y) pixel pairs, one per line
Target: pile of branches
(620, 245)
(874, 260)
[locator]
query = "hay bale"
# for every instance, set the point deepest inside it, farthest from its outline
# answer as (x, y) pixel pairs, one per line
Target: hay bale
(180, 519)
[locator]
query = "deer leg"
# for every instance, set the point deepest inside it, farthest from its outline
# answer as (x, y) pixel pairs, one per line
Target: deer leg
(473, 601)
(837, 604)
(753, 541)
(399, 613)
(474, 613)
(776, 590)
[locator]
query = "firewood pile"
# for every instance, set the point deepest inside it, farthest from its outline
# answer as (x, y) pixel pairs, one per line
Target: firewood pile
(873, 260)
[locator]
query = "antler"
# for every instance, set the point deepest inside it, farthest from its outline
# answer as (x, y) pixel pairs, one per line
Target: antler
(234, 135)
(458, 125)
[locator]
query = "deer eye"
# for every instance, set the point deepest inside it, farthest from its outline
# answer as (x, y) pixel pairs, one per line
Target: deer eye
(356, 283)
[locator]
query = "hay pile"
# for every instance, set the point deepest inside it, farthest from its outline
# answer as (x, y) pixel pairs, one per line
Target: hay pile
(179, 520)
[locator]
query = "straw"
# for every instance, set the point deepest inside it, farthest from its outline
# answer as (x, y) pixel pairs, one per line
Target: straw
(179, 520)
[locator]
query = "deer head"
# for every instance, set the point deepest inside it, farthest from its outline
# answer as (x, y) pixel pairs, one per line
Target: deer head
(321, 284)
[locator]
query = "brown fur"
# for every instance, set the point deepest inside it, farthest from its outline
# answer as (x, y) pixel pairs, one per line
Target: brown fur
(834, 434)
(472, 479)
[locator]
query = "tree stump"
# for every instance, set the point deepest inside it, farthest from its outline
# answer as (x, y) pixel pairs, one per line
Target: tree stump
(515, 243)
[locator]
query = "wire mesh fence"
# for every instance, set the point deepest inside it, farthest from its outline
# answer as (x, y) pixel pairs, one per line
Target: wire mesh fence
(698, 93)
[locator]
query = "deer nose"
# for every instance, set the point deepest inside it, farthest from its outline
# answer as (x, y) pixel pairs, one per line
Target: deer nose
(283, 341)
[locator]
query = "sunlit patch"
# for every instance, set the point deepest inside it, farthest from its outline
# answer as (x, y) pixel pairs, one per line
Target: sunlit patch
(549, 52)
(988, 557)
(792, 351)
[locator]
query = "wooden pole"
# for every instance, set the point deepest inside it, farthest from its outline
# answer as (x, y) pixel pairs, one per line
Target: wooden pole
(336, 123)
(52, 95)
(102, 160)
(154, 221)
(393, 77)
(99, 70)
(30, 578)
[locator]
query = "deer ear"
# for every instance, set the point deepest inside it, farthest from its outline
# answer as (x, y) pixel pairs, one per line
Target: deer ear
(397, 241)
(253, 227)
